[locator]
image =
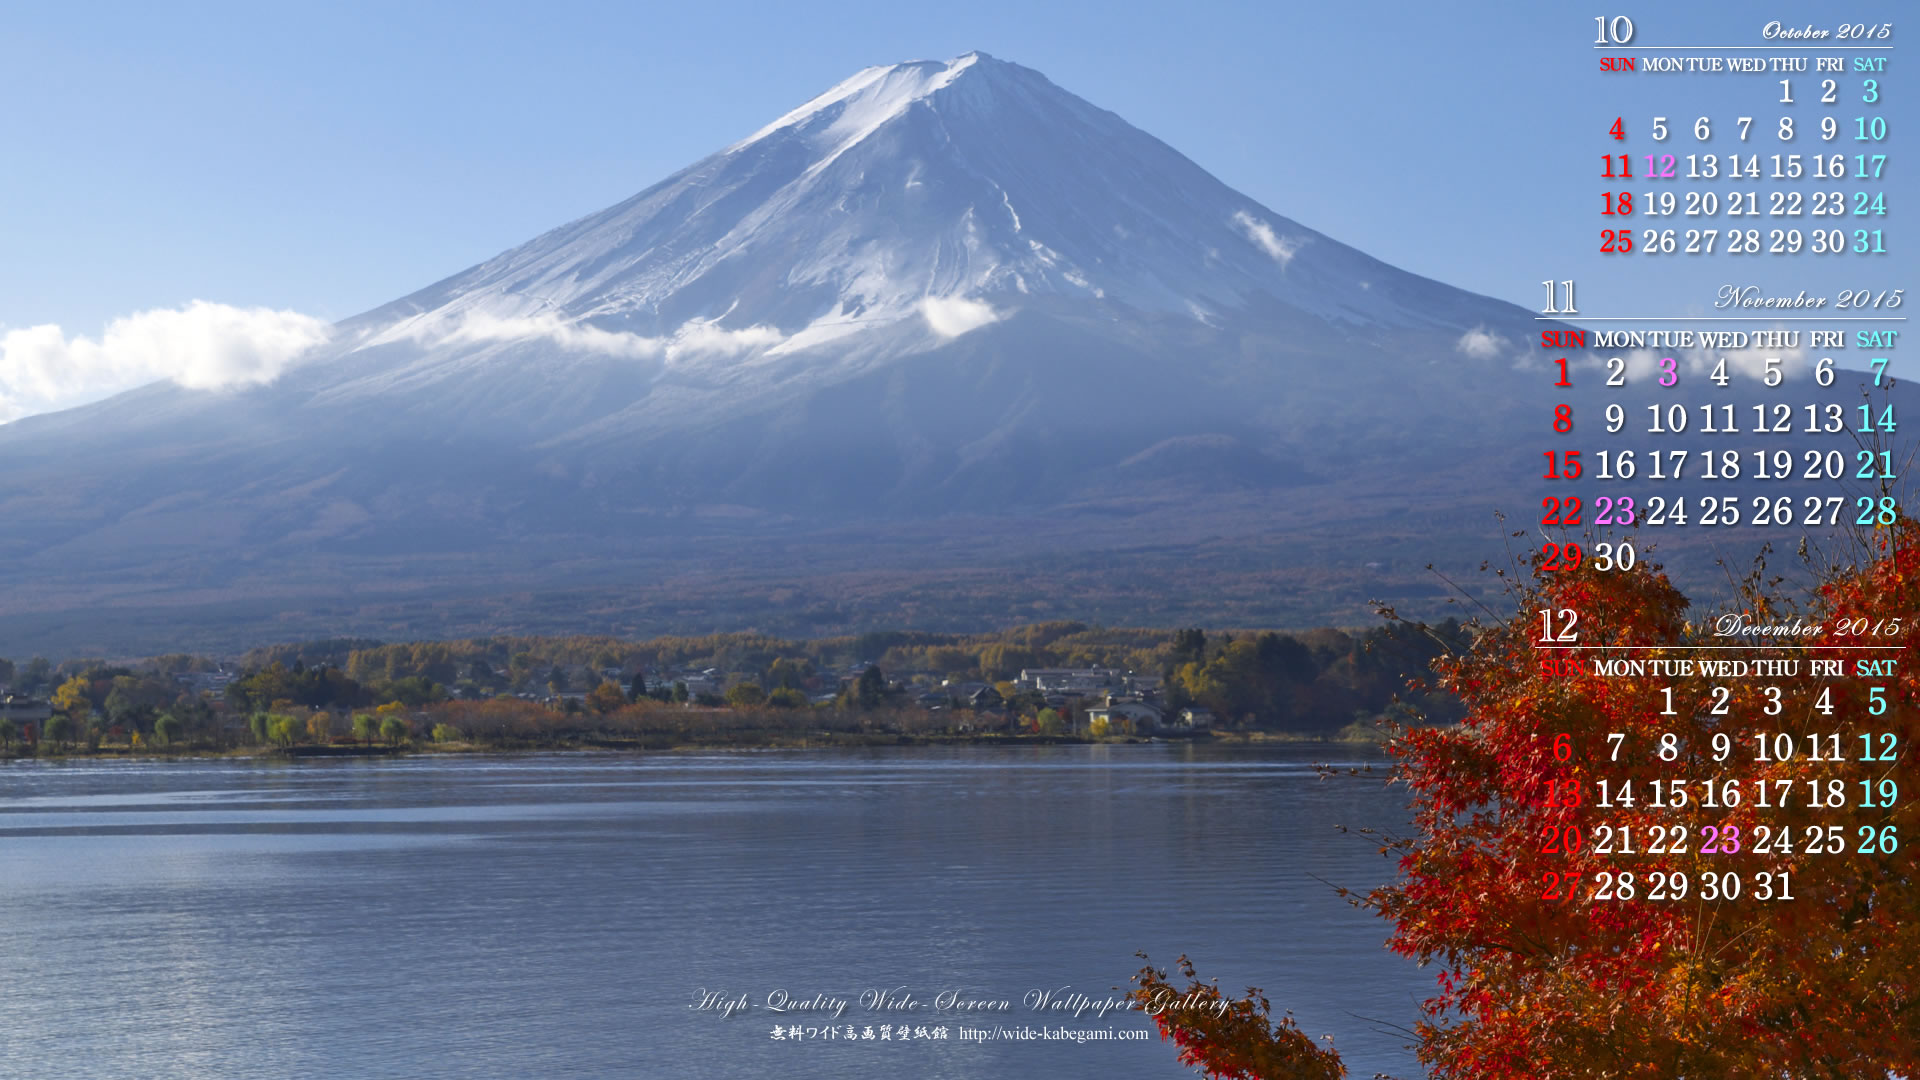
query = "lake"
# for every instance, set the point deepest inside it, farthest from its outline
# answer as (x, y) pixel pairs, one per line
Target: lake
(561, 915)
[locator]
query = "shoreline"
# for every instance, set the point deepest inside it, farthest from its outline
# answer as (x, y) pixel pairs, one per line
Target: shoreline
(821, 740)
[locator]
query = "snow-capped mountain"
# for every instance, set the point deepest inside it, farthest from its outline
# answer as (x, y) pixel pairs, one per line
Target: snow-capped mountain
(936, 288)
(920, 193)
(906, 208)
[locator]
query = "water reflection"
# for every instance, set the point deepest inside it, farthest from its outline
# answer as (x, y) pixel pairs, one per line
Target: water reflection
(546, 915)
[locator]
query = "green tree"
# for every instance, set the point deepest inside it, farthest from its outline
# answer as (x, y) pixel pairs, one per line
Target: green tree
(1048, 722)
(788, 674)
(6, 671)
(520, 667)
(873, 688)
(1259, 677)
(37, 675)
(59, 730)
(282, 729)
(786, 697)
(132, 701)
(412, 691)
(1189, 646)
(639, 690)
(869, 691)
(257, 724)
(167, 729)
(196, 717)
(746, 695)
(365, 727)
(446, 733)
(680, 692)
(394, 730)
(7, 733)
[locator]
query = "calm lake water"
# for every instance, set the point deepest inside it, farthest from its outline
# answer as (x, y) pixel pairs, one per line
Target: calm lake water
(557, 915)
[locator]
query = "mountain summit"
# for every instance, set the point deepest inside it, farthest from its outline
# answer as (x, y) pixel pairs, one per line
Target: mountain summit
(936, 290)
(947, 182)
(905, 207)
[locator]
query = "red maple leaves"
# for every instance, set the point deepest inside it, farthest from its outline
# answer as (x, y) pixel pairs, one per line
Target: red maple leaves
(1601, 863)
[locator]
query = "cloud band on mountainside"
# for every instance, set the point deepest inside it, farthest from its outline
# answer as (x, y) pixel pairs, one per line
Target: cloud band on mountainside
(695, 337)
(203, 346)
(946, 316)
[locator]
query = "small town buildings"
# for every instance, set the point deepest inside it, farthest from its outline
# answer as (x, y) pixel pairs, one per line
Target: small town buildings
(1123, 718)
(211, 683)
(1072, 682)
(985, 698)
(1196, 719)
(23, 710)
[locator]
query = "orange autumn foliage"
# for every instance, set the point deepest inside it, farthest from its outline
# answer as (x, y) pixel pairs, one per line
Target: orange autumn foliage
(1232, 1038)
(1506, 815)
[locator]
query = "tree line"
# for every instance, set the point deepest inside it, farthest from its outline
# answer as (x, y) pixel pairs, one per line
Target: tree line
(1313, 682)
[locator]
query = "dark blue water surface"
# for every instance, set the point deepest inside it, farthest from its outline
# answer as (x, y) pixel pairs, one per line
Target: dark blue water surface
(558, 915)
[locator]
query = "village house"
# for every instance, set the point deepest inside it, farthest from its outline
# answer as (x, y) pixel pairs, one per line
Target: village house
(1195, 719)
(23, 710)
(1119, 717)
(705, 681)
(1124, 717)
(211, 683)
(1071, 682)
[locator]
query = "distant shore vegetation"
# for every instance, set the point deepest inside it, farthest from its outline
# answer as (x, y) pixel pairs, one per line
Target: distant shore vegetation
(1046, 681)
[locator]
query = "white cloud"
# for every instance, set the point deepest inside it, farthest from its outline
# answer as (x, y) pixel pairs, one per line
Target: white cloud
(705, 337)
(951, 316)
(695, 337)
(480, 328)
(1699, 362)
(1480, 343)
(1282, 248)
(204, 346)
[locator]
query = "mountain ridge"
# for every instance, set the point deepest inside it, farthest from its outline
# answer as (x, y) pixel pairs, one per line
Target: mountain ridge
(940, 291)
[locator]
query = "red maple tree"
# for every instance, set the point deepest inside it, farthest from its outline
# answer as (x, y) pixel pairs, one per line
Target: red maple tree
(1787, 780)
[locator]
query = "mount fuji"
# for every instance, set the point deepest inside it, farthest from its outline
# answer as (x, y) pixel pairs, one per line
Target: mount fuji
(935, 331)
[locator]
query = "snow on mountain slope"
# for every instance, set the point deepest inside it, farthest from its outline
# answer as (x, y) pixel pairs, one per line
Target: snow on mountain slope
(935, 283)
(950, 294)
(905, 207)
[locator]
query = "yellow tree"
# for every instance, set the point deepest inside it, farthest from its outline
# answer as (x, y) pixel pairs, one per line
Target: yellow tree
(605, 698)
(74, 697)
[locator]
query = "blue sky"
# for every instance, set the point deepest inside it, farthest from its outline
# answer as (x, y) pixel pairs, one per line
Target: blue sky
(327, 158)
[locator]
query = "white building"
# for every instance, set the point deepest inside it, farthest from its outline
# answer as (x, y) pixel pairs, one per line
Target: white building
(1071, 681)
(1123, 718)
